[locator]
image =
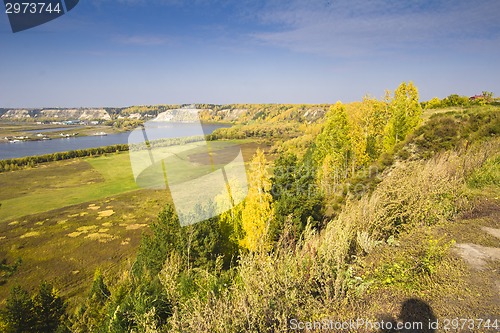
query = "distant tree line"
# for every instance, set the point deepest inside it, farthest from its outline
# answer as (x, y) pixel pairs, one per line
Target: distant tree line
(486, 97)
(262, 113)
(31, 161)
(257, 130)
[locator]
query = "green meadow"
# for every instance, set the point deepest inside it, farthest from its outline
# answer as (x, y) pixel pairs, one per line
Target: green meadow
(64, 219)
(60, 184)
(64, 183)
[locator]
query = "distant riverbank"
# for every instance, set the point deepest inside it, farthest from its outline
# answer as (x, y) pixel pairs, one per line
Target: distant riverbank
(41, 147)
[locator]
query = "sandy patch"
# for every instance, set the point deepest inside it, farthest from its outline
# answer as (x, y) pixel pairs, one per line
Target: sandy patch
(74, 215)
(109, 207)
(103, 230)
(14, 223)
(106, 213)
(87, 228)
(492, 231)
(30, 234)
(135, 226)
(107, 224)
(62, 221)
(39, 223)
(84, 213)
(102, 238)
(3, 237)
(94, 207)
(476, 255)
(74, 234)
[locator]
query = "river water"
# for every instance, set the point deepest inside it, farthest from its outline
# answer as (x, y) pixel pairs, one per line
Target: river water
(32, 148)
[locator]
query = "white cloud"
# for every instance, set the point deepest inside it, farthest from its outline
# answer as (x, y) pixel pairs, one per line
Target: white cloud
(375, 28)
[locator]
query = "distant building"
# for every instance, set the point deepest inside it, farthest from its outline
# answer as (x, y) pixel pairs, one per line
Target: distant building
(476, 97)
(72, 122)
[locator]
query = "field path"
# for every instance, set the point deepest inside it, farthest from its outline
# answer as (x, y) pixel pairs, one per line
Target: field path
(481, 249)
(477, 256)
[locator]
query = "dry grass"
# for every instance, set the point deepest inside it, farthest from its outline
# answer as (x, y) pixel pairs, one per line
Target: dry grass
(101, 237)
(30, 234)
(74, 234)
(87, 228)
(417, 193)
(106, 213)
(314, 279)
(134, 226)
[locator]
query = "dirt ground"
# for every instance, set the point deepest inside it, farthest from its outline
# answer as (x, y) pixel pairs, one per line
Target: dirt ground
(466, 286)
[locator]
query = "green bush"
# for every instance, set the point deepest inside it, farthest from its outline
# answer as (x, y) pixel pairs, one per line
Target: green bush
(487, 175)
(42, 312)
(414, 269)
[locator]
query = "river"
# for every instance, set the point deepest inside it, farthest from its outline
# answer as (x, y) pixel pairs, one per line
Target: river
(32, 148)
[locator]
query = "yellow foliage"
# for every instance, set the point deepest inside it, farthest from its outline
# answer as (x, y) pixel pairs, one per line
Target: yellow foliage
(257, 212)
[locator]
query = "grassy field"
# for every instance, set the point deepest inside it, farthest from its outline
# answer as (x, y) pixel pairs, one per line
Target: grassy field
(64, 219)
(65, 183)
(72, 182)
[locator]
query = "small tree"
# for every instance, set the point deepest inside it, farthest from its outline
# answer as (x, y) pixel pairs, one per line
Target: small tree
(434, 103)
(99, 292)
(166, 237)
(406, 113)
(257, 213)
(49, 308)
(296, 195)
(19, 316)
(335, 141)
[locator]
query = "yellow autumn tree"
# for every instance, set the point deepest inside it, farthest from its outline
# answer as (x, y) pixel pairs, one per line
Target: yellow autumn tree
(406, 113)
(230, 218)
(257, 213)
(374, 118)
(335, 141)
(356, 119)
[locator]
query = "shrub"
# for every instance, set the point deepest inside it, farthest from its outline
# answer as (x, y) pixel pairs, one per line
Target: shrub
(487, 175)
(414, 268)
(41, 312)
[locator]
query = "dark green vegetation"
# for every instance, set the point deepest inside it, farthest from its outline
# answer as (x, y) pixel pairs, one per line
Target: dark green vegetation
(31, 161)
(7, 270)
(41, 312)
(357, 213)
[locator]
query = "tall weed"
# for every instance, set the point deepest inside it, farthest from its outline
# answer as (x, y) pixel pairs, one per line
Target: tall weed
(313, 278)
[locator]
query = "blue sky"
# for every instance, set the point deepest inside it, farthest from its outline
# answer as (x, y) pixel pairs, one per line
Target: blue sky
(130, 52)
